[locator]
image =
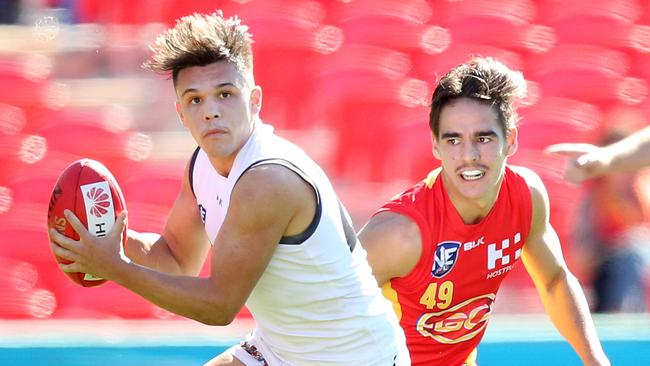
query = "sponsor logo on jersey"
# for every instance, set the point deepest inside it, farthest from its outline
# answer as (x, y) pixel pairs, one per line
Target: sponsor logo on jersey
(445, 258)
(459, 323)
(501, 257)
(473, 244)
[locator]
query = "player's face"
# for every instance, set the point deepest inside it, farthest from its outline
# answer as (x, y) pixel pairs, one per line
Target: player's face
(219, 108)
(473, 149)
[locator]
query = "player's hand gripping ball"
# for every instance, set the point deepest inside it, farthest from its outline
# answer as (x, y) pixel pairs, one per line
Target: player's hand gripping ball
(89, 190)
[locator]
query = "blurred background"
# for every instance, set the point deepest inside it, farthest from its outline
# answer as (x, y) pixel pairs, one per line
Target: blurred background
(347, 80)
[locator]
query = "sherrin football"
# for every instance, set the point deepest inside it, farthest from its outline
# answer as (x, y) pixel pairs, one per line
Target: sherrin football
(88, 189)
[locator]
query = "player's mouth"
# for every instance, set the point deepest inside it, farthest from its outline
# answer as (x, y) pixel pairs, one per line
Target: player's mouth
(472, 174)
(214, 132)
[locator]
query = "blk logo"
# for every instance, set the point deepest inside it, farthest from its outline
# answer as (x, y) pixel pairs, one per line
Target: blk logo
(99, 201)
(503, 253)
(445, 258)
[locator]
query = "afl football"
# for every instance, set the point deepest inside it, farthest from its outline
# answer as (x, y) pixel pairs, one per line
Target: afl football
(89, 190)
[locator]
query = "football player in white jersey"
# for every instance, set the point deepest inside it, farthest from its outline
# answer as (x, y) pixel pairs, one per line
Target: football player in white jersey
(278, 238)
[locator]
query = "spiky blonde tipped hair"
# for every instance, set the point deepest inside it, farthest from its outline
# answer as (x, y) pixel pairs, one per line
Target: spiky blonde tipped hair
(203, 39)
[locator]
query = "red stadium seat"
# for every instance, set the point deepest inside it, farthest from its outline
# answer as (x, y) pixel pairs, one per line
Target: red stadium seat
(96, 142)
(153, 183)
(34, 67)
(605, 33)
(623, 11)
(589, 73)
(508, 11)
(530, 38)
(22, 295)
(554, 120)
(20, 91)
(396, 25)
(508, 25)
(150, 191)
(105, 302)
(405, 12)
(432, 67)
(31, 304)
(396, 35)
(120, 12)
(12, 119)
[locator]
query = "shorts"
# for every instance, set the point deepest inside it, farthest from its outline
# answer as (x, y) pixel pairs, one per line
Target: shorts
(252, 352)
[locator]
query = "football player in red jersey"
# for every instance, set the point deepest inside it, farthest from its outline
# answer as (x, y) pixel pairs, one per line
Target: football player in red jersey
(442, 248)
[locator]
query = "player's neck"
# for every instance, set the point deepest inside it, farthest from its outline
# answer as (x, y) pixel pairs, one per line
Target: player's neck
(473, 209)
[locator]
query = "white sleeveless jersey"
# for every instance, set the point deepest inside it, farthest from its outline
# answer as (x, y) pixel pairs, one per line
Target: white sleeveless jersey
(317, 302)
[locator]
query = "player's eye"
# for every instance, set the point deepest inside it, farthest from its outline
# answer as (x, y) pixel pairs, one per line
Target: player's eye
(195, 100)
(225, 95)
(453, 141)
(484, 139)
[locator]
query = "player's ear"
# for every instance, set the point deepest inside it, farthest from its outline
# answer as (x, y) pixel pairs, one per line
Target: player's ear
(180, 113)
(256, 99)
(511, 142)
(434, 149)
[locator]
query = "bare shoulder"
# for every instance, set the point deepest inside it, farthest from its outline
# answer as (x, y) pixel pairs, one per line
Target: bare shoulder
(277, 196)
(535, 184)
(391, 226)
(271, 182)
(540, 201)
(394, 245)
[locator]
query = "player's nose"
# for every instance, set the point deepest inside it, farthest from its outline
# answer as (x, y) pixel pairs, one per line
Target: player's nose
(211, 111)
(471, 152)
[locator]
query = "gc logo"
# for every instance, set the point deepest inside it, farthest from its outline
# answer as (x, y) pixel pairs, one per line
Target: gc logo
(459, 323)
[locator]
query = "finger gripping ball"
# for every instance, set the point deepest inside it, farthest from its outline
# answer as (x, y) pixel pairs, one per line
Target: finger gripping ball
(89, 190)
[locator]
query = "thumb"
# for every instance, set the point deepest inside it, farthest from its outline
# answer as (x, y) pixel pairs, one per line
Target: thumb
(121, 221)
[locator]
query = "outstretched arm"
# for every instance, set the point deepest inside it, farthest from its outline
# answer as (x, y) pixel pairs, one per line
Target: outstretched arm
(589, 161)
(559, 290)
(259, 215)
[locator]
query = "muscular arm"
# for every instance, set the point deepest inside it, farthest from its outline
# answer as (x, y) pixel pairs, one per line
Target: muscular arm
(589, 161)
(183, 245)
(559, 290)
(259, 215)
(393, 244)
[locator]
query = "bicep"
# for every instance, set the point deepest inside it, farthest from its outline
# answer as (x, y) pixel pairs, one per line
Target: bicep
(258, 216)
(393, 244)
(542, 254)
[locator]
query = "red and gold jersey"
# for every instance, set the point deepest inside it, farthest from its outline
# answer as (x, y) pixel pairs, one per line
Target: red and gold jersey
(445, 303)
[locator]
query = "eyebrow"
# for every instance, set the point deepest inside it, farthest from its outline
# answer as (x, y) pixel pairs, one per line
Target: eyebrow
(488, 133)
(221, 85)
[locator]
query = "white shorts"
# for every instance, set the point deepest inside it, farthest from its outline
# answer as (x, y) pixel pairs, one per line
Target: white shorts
(252, 352)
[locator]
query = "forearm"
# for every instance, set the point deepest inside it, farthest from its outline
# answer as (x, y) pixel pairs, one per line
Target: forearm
(631, 153)
(151, 250)
(192, 297)
(568, 309)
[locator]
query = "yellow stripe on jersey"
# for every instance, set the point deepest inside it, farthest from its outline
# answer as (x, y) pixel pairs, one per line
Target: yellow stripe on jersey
(391, 295)
(471, 359)
(431, 178)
